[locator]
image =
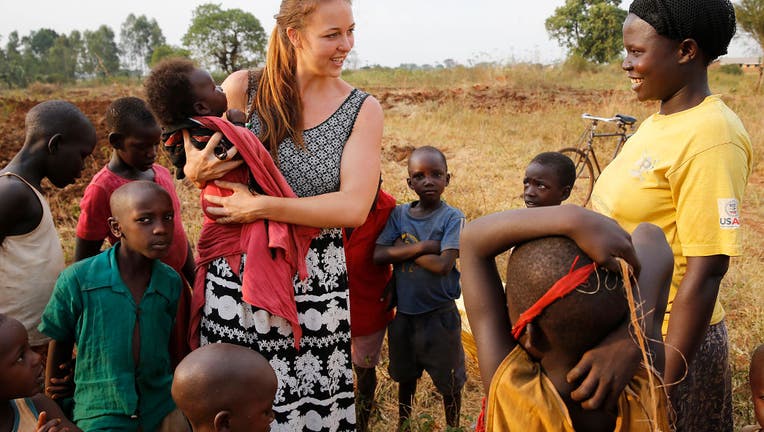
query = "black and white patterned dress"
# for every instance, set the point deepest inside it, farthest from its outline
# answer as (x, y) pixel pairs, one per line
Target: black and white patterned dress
(315, 390)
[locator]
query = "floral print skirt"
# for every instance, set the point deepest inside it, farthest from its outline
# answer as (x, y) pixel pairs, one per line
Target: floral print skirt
(315, 390)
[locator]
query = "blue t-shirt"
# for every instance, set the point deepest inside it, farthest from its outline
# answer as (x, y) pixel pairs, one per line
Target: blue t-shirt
(418, 289)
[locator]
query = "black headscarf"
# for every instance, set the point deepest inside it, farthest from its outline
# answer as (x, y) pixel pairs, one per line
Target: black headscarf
(711, 23)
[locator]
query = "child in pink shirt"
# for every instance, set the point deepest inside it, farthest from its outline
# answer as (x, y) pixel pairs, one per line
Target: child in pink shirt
(134, 135)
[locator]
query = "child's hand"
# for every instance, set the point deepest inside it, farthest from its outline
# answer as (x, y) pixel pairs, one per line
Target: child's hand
(603, 240)
(43, 425)
(605, 370)
(61, 388)
(236, 116)
(426, 247)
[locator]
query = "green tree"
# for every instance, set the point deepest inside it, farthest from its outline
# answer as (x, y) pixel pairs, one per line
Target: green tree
(232, 37)
(36, 47)
(589, 28)
(164, 51)
(39, 42)
(3, 66)
(138, 38)
(750, 18)
(64, 56)
(12, 70)
(101, 55)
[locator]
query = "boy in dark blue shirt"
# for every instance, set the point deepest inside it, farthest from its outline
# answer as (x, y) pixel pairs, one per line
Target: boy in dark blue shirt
(421, 239)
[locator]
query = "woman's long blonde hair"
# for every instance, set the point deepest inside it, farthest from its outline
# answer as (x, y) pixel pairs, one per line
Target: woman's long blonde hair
(277, 100)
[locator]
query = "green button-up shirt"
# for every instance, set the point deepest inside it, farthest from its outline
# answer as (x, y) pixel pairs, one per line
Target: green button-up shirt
(92, 307)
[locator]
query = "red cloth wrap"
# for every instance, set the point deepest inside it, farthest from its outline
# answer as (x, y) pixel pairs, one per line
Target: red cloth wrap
(560, 289)
(367, 281)
(480, 426)
(275, 250)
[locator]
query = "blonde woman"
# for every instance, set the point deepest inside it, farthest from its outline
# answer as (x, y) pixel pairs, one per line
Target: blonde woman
(325, 137)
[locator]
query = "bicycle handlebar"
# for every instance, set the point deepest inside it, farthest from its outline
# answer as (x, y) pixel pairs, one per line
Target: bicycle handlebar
(618, 118)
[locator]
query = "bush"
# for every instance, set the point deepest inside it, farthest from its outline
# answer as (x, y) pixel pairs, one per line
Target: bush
(578, 64)
(731, 69)
(41, 88)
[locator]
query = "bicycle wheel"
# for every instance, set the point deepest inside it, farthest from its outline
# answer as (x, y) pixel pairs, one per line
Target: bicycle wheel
(582, 188)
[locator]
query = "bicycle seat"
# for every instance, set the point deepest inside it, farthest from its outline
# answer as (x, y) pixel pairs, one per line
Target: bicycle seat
(629, 120)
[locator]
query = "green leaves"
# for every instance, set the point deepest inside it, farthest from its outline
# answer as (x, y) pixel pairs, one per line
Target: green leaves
(102, 55)
(225, 40)
(750, 18)
(231, 37)
(43, 55)
(139, 37)
(589, 28)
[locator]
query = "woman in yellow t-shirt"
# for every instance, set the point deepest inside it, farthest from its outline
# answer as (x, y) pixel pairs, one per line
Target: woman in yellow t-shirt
(685, 170)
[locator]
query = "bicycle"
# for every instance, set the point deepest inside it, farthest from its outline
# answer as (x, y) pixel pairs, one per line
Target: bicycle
(585, 158)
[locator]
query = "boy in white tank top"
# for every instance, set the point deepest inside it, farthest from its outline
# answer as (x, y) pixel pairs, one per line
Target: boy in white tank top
(58, 139)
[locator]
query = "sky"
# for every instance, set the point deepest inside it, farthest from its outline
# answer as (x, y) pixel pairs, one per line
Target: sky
(388, 32)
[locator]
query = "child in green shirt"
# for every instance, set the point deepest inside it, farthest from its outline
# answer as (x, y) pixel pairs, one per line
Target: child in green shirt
(118, 307)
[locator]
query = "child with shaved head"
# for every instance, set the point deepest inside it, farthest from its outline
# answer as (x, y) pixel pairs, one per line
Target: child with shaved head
(421, 240)
(237, 397)
(118, 307)
(559, 304)
(58, 139)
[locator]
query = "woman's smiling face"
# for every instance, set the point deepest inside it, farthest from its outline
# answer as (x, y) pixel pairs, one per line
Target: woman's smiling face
(327, 38)
(651, 61)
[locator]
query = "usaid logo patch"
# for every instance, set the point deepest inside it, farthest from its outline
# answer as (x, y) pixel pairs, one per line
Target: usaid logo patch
(729, 213)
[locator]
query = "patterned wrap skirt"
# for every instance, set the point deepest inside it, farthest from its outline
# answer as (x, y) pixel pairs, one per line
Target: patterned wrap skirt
(704, 397)
(315, 391)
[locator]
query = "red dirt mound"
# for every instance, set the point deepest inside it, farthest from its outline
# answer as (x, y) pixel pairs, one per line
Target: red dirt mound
(12, 114)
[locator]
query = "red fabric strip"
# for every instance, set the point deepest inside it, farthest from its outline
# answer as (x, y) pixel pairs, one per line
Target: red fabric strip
(560, 289)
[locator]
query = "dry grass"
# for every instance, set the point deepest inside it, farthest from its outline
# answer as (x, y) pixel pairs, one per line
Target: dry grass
(490, 122)
(488, 144)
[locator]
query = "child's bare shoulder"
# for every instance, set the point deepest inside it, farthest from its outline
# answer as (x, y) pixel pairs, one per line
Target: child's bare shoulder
(19, 203)
(15, 190)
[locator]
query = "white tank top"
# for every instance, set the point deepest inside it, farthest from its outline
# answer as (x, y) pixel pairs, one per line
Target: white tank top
(29, 266)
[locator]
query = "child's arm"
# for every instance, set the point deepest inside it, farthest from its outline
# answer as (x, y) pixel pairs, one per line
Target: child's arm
(235, 116)
(391, 248)
(483, 239)
(58, 379)
(484, 300)
(59, 321)
(400, 252)
(86, 248)
(605, 370)
(440, 264)
(92, 226)
(654, 281)
(50, 410)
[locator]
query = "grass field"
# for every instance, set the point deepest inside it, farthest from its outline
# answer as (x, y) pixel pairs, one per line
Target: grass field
(489, 122)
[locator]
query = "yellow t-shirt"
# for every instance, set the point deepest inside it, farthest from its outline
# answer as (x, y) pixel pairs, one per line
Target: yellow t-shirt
(523, 399)
(686, 173)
